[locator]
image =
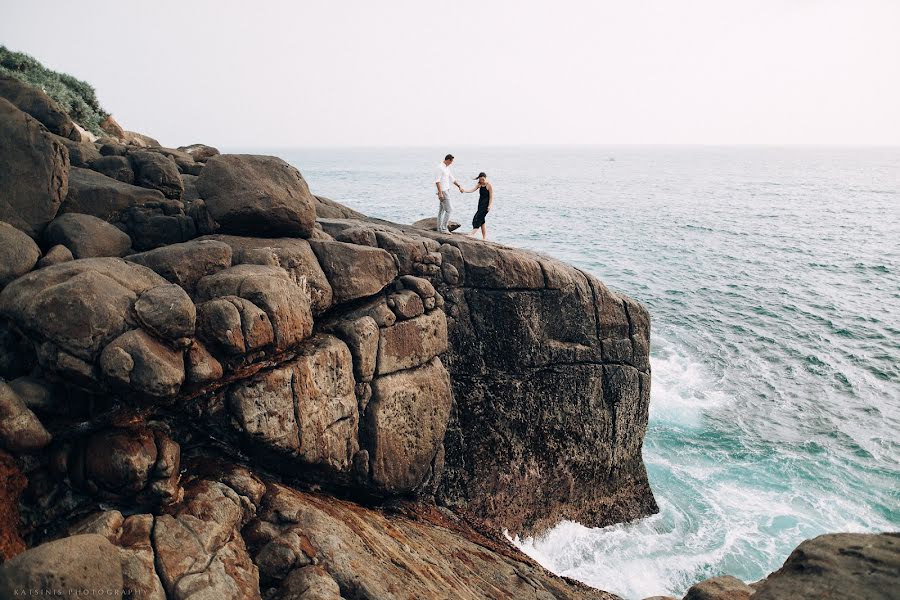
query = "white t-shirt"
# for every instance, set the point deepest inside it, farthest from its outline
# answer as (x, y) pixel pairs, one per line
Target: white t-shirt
(444, 176)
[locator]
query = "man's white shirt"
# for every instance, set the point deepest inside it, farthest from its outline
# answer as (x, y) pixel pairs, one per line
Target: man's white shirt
(445, 177)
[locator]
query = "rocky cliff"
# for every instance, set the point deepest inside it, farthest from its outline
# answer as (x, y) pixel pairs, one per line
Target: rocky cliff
(216, 384)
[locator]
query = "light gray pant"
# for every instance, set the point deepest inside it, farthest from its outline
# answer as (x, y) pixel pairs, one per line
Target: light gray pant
(444, 211)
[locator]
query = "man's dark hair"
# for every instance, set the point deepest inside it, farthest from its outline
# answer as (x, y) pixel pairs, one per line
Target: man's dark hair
(448, 157)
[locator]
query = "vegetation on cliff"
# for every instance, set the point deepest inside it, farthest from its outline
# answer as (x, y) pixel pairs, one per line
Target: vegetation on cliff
(76, 97)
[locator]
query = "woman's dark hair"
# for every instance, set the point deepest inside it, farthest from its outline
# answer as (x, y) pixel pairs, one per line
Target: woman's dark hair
(480, 175)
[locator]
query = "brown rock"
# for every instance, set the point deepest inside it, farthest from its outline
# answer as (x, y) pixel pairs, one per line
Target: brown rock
(167, 312)
(361, 336)
(186, 263)
(139, 576)
(20, 430)
(720, 588)
(114, 166)
(140, 140)
(35, 102)
(841, 565)
(95, 194)
(81, 154)
(199, 152)
(412, 343)
(329, 209)
(18, 253)
(306, 407)
(354, 271)
(406, 420)
(199, 549)
(34, 171)
(309, 583)
(56, 255)
(291, 254)
(120, 460)
(272, 290)
(112, 127)
(12, 484)
(79, 306)
(257, 195)
(201, 366)
(137, 362)
(361, 236)
(74, 563)
(406, 304)
(87, 237)
(430, 224)
(420, 286)
(234, 325)
(157, 172)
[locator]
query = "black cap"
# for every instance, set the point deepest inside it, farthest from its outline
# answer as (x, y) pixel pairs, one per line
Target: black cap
(449, 157)
(480, 175)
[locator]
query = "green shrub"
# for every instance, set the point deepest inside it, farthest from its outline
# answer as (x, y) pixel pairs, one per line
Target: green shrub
(74, 96)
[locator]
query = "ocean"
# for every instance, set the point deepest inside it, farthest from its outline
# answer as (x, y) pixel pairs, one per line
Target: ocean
(772, 275)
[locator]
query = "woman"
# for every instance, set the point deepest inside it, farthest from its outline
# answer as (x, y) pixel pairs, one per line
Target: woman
(485, 200)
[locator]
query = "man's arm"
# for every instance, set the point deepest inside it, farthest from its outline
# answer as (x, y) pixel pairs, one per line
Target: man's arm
(437, 182)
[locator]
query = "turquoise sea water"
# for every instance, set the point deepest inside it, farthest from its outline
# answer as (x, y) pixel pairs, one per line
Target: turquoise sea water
(773, 279)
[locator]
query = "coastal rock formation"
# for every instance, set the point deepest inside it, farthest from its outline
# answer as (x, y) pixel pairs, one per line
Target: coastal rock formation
(301, 402)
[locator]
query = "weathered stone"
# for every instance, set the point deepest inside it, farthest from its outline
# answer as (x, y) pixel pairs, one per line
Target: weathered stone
(167, 312)
(120, 460)
(18, 253)
(497, 267)
(720, 588)
(420, 286)
(37, 394)
(375, 308)
(112, 148)
(137, 362)
(34, 171)
(79, 306)
(112, 127)
(199, 152)
(293, 255)
(271, 289)
(157, 172)
(201, 367)
(412, 343)
(841, 565)
(55, 255)
(139, 576)
(186, 263)
(199, 550)
(87, 237)
(35, 102)
(306, 407)
(140, 140)
(81, 154)
(361, 236)
(159, 225)
(12, 484)
(361, 336)
(257, 195)
(80, 562)
(406, 420)
(234, 325)
(430, 224)
(114, 166)
(20, 429)
(95, 194)
(354, 271)
(309, 583)
(406, 304)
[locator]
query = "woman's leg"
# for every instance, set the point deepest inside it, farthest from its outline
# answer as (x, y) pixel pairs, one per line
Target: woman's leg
(483, 231)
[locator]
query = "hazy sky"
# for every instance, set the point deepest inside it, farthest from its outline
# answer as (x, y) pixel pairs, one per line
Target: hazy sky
(277, 74)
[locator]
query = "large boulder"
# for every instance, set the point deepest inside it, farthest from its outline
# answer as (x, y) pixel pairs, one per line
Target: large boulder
(87, 237)
(116, 167)
(271, 289)
(354, 271)
(327, 208)
(293, 255)
(78, 306)
(157, 172)
(406, 420)
(95, 194)
(306, 407)
(430, 224)
(411, 343)
(199, 152)
(39, 105)
(186, 263)
(81, 154)
(20, 429)
(18, 253)
(725, 587)
(841, 565)
(257, 195)
(34, 171)
(80, 562)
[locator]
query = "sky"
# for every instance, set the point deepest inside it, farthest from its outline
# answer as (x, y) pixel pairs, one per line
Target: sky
(482, 72)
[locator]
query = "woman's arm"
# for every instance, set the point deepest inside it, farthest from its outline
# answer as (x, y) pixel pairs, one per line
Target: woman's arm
(464, 191)
(490, 196)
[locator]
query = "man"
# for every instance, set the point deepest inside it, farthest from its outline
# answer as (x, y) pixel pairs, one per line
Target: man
(443, 178)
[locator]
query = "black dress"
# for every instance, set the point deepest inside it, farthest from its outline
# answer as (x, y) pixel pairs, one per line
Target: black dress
(484, 199)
